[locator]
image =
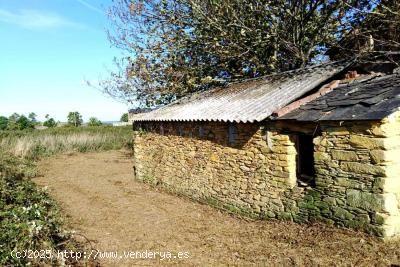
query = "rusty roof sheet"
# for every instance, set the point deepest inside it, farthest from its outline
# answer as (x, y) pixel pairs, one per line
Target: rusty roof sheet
(369, 99)
(248, 101)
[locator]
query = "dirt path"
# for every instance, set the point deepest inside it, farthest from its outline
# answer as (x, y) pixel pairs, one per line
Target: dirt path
(104, 202)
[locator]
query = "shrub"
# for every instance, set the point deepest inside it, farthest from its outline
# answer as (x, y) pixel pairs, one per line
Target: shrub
(29, 218)
(124, 117)
(3, 123)
(50, 123)
(94, 122)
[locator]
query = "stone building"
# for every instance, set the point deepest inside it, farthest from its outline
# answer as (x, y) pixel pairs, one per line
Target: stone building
(320, 143)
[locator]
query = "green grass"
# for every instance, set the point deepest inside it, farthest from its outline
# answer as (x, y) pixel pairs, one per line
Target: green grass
(29, 218)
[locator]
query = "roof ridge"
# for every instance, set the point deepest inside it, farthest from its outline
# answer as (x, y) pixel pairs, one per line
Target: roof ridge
(368, 78)
(308, 67)
(211, 90)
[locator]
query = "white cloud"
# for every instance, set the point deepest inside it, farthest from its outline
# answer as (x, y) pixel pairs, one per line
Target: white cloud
(35, 19)
(92, 7)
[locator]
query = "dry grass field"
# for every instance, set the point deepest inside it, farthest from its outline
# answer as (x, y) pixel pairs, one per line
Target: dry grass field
(104, 202)
(36, 144)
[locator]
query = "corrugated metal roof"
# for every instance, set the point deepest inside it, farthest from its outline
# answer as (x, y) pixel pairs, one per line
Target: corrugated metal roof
(248, 101)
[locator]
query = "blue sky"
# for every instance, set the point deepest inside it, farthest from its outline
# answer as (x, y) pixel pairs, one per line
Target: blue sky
(48, 48)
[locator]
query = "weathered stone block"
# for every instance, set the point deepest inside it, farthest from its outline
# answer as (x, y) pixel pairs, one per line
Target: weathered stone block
(321, 156)
(366, 142)
(342, 213)
(364, 200)
(338, 131)
(320, 141)
(344, 155)
(360, 168)
(377, 156)
(330, 200)
(378, 218)
(344, 182)
(290, 150)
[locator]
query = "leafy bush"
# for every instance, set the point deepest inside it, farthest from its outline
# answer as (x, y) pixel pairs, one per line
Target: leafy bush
(29, 218)
(124, 117)
(3, 123)
(94, 122)
(50, 123)
(19, 122)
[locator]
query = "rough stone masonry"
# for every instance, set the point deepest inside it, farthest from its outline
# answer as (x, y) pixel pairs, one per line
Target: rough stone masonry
(253, 172)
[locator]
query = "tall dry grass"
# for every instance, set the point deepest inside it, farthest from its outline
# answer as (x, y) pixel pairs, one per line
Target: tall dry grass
(33, 145)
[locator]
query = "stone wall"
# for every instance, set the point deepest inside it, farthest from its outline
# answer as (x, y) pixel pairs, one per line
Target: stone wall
(249, 176)
(256, 174)
(357, 165)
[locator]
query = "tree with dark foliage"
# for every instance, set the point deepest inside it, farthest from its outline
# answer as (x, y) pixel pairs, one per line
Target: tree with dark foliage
(180, 46)
(124, 117)
(3, 123)
(19, 122)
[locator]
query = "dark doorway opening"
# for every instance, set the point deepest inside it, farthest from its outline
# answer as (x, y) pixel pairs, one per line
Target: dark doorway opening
(305, 160)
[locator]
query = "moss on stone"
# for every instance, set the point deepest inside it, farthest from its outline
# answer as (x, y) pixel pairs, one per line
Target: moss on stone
(286, 216)
(364, 200)
(341, 213)
(321, 205)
